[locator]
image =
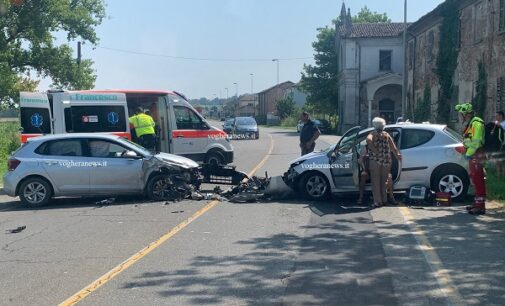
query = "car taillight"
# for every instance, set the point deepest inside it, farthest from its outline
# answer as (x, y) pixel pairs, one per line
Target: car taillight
(460, 149)
(12, 164)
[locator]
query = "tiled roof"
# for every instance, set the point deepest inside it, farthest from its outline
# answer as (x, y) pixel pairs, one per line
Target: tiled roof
(369, 30)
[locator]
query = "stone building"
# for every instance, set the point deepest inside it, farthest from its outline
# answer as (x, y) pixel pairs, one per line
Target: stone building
(371, 64)
(481, 39)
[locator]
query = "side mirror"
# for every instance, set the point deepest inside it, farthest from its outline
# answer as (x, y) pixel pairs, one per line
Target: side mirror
(204, 126)
(131, 154)
(332, 154)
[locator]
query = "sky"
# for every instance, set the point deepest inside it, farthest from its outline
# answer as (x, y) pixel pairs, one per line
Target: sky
(139, 40)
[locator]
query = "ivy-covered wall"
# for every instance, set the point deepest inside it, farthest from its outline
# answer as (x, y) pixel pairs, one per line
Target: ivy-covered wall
(470, 34)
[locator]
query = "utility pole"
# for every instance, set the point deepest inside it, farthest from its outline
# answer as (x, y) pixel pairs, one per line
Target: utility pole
(79, 54)
(226, 93)
(405, 71)
(236, 89)
(252, 78)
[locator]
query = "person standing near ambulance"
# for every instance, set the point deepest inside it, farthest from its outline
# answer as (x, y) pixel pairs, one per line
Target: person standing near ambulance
(144, 129)
(474, 142)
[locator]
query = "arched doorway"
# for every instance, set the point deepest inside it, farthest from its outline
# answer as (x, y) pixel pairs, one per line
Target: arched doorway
(387, 110)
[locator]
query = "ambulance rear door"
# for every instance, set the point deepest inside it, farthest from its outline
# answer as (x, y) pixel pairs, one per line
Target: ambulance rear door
(96, 112)
(35, 115)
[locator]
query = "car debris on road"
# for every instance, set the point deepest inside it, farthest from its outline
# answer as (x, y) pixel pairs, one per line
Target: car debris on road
(17, 230)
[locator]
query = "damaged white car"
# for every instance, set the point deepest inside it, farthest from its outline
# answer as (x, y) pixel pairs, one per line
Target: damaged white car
(431, 157)
(94, 165)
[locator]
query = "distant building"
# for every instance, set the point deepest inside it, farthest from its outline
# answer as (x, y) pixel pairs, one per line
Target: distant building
(267, 99)
(247, 106)
(297, 94)
(370, 71)
(481, 39)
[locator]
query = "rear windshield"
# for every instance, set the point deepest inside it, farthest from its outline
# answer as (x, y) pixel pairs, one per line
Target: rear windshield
(245, 121)
(89, 119)
(35, 120)
(453, 134)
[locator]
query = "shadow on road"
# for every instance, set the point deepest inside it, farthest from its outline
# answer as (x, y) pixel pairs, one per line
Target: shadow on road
(339, 260)
(65, 203)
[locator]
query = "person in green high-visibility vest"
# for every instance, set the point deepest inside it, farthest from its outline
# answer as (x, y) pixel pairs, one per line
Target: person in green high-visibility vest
(144, 129)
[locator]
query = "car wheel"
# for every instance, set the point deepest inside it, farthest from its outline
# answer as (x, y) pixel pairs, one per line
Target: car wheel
(159, 187)
(315, 186)
(454, 181)
(214, 158)
(257, 135)
(35, 192)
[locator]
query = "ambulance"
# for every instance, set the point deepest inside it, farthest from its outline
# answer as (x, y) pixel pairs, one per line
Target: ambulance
(181, 129)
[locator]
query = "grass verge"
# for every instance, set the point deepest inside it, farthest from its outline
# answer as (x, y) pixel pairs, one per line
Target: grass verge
(495, 187)
(9, 141)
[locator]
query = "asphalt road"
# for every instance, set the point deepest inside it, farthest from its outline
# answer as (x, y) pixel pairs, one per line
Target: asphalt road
(293, 252)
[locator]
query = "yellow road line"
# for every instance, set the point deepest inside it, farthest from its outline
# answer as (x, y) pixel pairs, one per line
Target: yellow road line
(442, 276)
(152, 246)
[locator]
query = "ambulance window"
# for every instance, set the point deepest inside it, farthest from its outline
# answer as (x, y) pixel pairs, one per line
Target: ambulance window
(68, 121)
(186, 119)
(35, 120)
(104, 118)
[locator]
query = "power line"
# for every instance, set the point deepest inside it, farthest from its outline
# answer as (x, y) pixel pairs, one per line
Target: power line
(203, 59)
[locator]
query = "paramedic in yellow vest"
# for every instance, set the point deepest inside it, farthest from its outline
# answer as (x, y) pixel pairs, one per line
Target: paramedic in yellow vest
(144, 129)
(474, 153)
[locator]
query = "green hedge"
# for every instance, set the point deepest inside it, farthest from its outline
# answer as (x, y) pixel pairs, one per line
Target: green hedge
(9, 142)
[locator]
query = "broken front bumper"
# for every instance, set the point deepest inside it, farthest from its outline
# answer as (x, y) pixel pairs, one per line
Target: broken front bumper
(291, 176)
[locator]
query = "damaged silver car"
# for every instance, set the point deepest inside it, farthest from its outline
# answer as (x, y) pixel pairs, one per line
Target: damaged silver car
(95, 165)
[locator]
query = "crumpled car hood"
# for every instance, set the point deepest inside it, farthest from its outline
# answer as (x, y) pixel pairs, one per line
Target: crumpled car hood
(176, 160)
(308, 156)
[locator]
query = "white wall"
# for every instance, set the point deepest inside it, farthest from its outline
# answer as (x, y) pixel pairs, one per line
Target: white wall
(370, 49)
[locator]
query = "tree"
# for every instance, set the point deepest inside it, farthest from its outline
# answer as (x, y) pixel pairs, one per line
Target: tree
(27, 43)
(367, 16)
(285, 107)
(320, 80)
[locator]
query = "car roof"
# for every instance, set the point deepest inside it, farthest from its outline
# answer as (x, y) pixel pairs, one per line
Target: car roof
(408, 125)
(73, 135)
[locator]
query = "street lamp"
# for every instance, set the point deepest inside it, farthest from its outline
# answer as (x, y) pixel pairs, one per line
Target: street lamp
(236, 89)
(252, 78)
(277, 60)
(226, 93)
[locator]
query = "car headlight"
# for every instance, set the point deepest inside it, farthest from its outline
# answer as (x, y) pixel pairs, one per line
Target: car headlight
(297, 163)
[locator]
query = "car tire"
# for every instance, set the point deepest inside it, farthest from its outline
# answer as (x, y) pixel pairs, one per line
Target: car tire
(157, 187)
(257, 136)
(453, 180)
(314, 186)
(35, 192)
(214, 158)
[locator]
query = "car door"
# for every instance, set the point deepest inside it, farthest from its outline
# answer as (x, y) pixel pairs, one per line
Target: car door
(65, 164)
(343, 163)
(396, 167)
(191, 135)
(112, 172)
